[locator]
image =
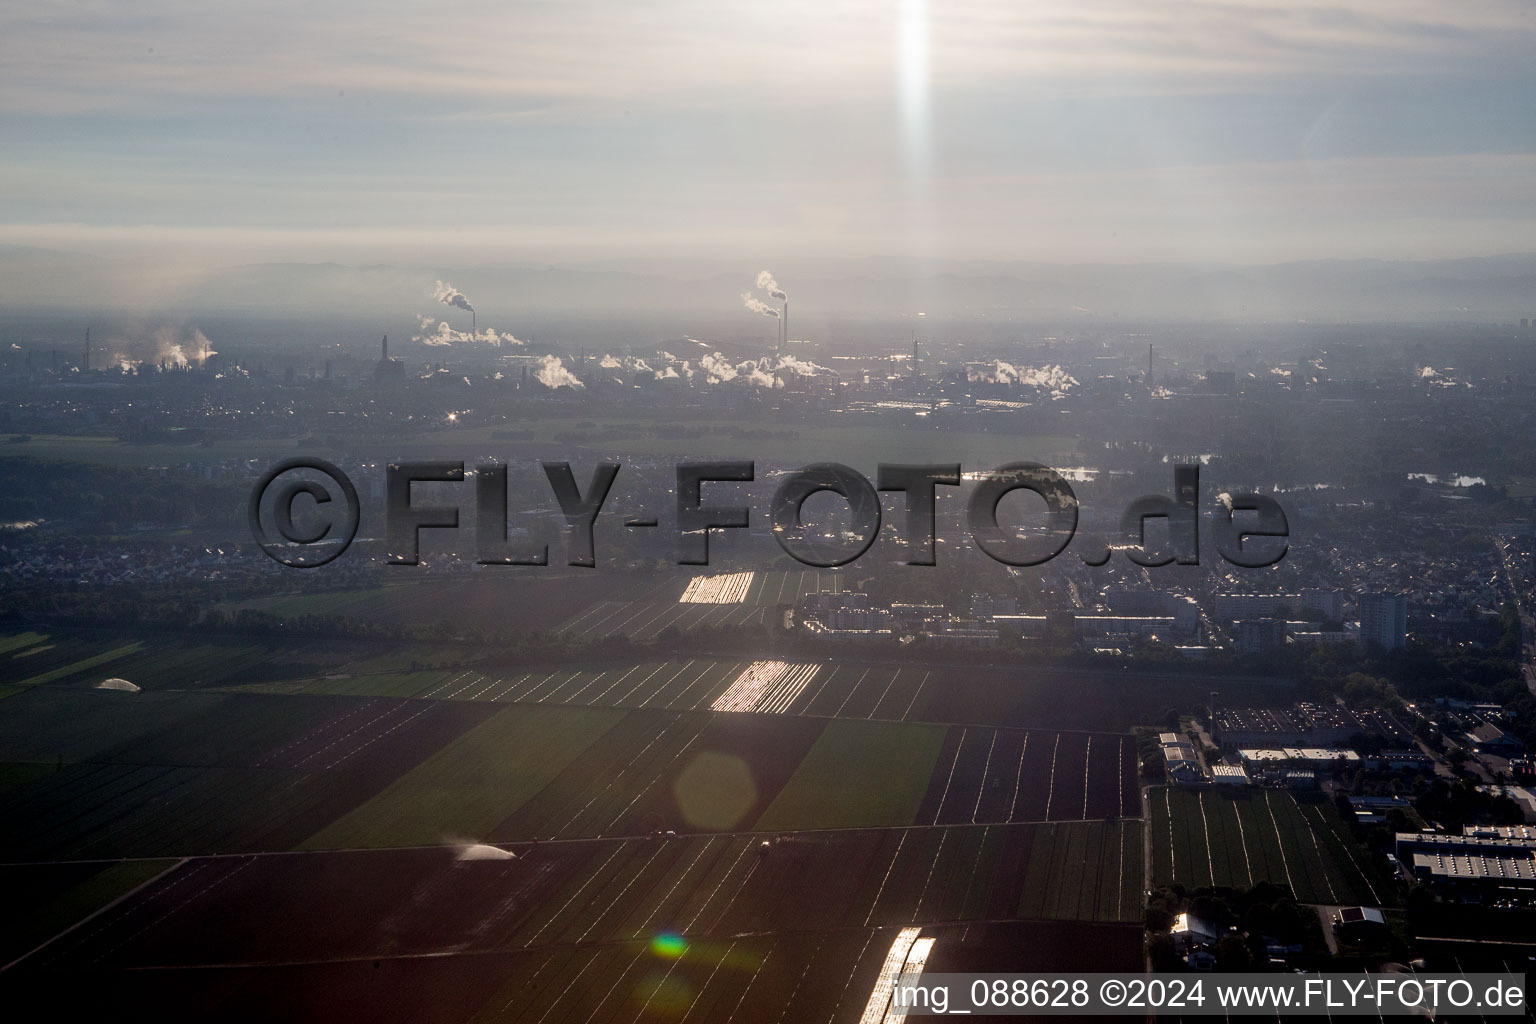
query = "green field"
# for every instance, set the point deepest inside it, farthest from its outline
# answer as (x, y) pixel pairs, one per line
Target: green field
(153, 661)
(858, 775)
(1217, 837)
(464, 790)
(74, 667)
(1084, 871)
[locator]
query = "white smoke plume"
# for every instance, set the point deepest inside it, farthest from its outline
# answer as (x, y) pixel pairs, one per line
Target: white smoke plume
(1052, 379)
(757, 305)
(440, 332)
(448, 295)
(717, 367)
(757, 372)
(802, 367)
(675, 367)
(766, 282)
(165, 346)
(552, 373)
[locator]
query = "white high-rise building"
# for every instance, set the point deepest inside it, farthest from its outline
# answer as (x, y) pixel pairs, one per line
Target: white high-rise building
(1384, 619)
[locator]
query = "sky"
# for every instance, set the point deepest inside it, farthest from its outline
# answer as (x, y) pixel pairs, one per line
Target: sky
(1098, 131)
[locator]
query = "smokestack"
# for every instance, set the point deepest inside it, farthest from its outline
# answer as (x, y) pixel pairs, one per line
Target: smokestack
(1150, 376)
(472, 328)
(914, 357)
(784, 328)
(86, 363)
(385, 357)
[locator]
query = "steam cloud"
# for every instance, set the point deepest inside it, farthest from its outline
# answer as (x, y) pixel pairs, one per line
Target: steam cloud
(552, 373)
(440, 332)
(1052, 379)
(757, 305)
(766, 282)
(766, 372)
(448, 295)
(758, 372)
(166, 346)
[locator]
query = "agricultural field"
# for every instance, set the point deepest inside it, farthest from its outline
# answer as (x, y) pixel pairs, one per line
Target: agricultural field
(875, 692)
(858, 776)
(474, 783)
(108, 774)
(43, 900)
(399, 903)
(679, 839)
(1232, 838)
(743, 599)
(750, 979)
(85, 658)
(1013, 695)
(640, 605)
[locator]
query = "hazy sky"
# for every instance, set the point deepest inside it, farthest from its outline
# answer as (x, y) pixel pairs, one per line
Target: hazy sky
(1071, 130)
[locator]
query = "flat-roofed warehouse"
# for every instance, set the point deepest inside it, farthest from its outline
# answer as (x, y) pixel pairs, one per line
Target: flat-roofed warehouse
(1477, 862)
(1471, 868)
(1305, 725)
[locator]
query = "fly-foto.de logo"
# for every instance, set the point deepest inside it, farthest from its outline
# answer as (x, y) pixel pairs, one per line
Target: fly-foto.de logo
(305, 512)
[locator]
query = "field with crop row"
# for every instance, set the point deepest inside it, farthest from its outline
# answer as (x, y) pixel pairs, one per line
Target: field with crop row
(1231, 838)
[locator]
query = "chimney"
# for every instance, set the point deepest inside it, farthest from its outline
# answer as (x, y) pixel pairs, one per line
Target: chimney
(385, 358)
(1150, 377)
(784, 328)
(472, 327)
(85, 365)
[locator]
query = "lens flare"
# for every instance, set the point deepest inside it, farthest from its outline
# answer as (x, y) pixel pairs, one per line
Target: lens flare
(669, 945)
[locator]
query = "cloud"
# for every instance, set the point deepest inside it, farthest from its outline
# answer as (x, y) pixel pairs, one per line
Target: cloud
(527, 58)
(311, 130)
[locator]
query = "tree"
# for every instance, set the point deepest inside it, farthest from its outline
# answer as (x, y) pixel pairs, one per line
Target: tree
(1232, 953)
